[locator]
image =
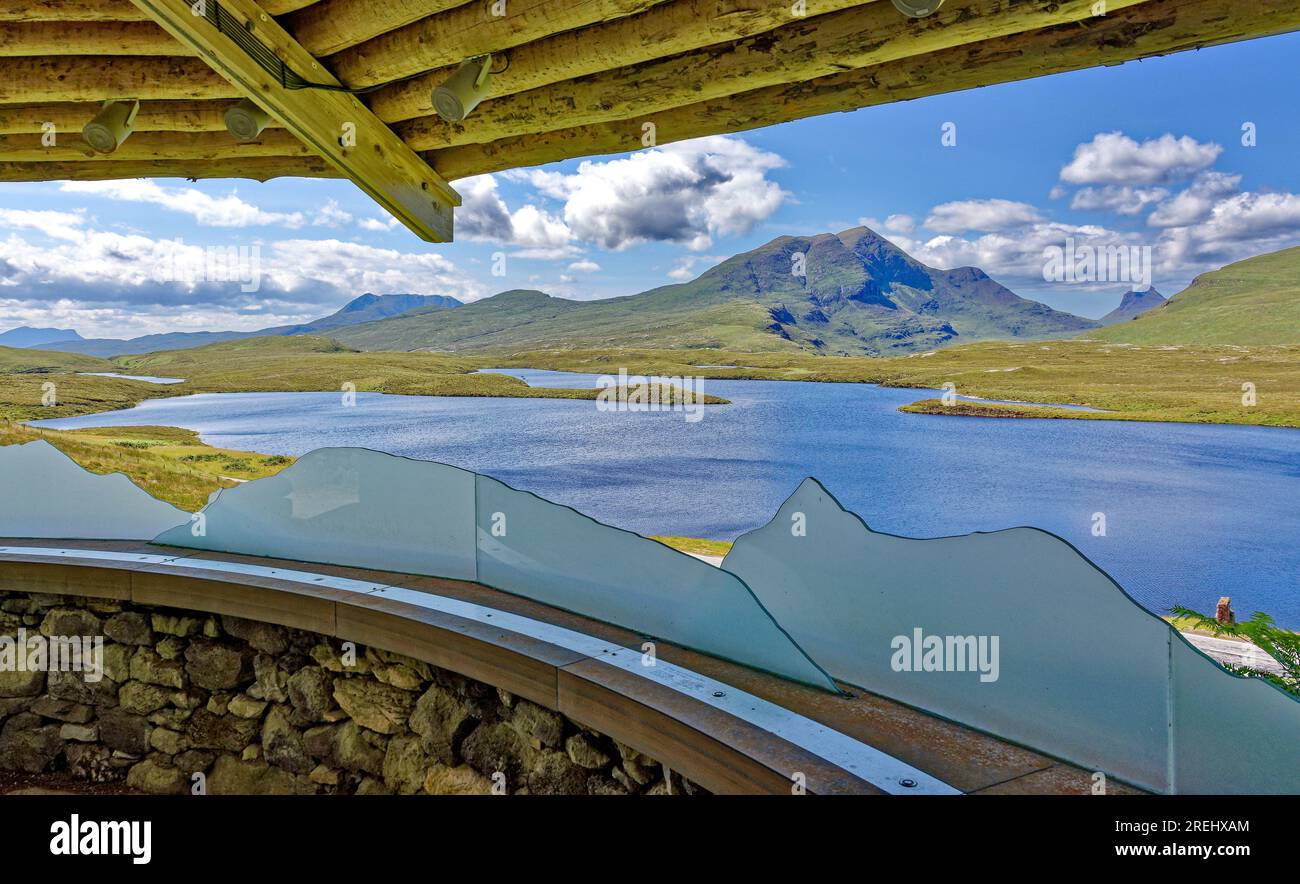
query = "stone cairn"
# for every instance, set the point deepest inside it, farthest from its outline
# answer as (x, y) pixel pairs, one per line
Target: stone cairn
(262, 709)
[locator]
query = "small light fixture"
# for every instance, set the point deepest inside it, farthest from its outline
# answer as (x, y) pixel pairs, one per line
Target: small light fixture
(111, 126)
(245, 120)
(463, 90)
(917, 8)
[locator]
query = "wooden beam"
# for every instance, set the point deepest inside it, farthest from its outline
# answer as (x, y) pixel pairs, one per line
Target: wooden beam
(69, 10)
(257, 169)
(470, 30)
(69, 147)
(284, 7)
(808, 48)
(333, 25)
(70, 78)
(334, 124)
(153, 116)
(1157, 28)
(666, 29)
(88, 38)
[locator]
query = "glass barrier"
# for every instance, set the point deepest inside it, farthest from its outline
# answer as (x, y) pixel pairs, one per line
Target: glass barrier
(352, 506)
(46, 494)
(347, 506)
(1231, 734)
(554, 554)
(1013, 632)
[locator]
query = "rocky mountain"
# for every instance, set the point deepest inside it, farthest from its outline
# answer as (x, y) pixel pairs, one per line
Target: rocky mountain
(1133, 305)
(852, 293)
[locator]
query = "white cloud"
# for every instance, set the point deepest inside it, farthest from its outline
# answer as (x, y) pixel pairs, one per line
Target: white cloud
(1195, 202)
(56, 225)
(1010, 255)
(1115, 158)
(291, 265)
(686, 270)
(690, 192)
(584, 266)
(900, 223)
(986, 215)
(378, 225)
(205, 209)
(484, 216)
(1237, 227)
(1123, 200)
(134, 284)
(331, 215)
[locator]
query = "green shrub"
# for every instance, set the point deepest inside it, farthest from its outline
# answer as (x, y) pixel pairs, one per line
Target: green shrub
(1280, 644)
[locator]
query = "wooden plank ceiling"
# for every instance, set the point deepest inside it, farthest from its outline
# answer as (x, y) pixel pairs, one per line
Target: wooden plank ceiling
(571, 77)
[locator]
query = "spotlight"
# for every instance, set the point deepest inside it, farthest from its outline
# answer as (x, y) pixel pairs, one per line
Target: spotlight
(246, 120)
(111, 126)
(917, 8)
(462, 92)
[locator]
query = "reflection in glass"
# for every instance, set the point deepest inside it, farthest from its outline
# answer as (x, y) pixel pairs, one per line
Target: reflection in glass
(44, 493)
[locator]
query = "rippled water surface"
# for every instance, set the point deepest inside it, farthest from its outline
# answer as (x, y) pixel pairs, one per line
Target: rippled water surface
(1192, 511)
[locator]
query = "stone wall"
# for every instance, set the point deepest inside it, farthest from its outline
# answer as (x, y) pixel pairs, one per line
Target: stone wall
(263, 709)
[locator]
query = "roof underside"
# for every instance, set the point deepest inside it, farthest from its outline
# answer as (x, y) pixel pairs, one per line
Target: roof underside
(571, 77)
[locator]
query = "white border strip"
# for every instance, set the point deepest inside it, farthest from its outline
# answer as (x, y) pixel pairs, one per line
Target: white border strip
(878, 768)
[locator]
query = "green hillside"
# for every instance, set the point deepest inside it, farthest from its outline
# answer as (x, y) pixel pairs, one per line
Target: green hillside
(535, 319)
(21, 360)
(859, 295)
(1252, 303)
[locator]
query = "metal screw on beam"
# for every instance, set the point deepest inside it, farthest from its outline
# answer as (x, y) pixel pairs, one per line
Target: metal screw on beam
(917, 8)
(111, 126)
(907, 784)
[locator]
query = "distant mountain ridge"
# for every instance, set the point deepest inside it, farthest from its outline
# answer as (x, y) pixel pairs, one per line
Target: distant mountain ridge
(1133, 305)
(368, 308)
(364, 308)
(25, 336)
(858, 294)
(851, 293)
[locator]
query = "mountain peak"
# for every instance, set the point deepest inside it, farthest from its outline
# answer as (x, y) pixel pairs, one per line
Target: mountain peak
(520, 296)
(29, 337)
(1134, 304)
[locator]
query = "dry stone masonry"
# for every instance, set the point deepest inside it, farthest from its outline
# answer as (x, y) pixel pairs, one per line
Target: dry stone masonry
(263, 709)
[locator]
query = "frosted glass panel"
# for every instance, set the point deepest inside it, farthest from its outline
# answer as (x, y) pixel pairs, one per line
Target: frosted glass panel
(44, 493)
(347, 506)
(544, 551)
(1231, 734)
(1080, 671)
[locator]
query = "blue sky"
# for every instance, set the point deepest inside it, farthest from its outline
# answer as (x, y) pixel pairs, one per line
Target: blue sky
(1148, 154)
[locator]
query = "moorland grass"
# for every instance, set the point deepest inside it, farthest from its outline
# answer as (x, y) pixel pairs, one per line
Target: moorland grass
(261, 365)
(168, 462)
(1127, 382)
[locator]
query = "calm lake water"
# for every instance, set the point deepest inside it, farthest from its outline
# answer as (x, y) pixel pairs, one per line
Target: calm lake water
(148, 379)
(1192, 512)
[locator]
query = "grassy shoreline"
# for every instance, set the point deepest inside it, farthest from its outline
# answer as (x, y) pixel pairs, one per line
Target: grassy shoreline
(1125, 382)
(170, 463)
(1122, 381)
(259, 365)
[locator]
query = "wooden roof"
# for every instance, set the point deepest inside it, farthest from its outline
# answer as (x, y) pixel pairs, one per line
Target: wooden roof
(571, 77)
